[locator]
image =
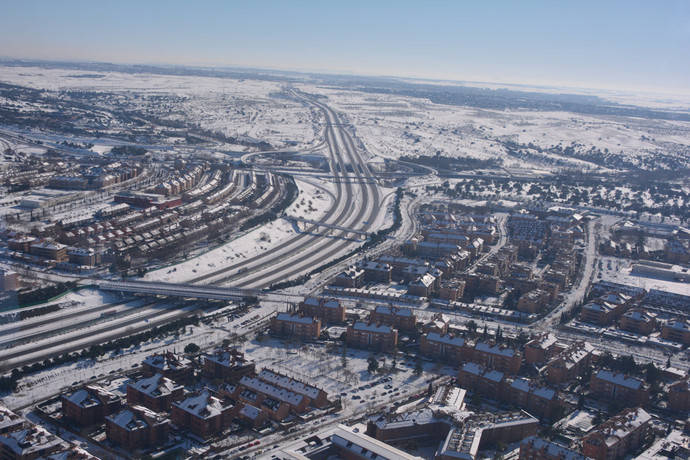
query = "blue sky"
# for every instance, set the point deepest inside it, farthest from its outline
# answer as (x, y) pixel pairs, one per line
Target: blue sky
(599, 44)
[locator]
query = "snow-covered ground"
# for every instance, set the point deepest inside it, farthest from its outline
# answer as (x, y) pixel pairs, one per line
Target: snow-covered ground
(618, 270)
(312, 203)
(242, 108)
(392, 126)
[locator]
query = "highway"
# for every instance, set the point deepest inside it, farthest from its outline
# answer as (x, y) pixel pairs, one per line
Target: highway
(356, 206)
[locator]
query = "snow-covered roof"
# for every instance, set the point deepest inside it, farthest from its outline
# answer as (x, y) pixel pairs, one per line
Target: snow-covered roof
(288, 383)
(362, 445)
(202, 405)
(167, 361)
(619, 379)
(295, 318)
(250, 411)
(155, 386)
(678, 325)
(390, 310)
(552, 449)
(30, 442)
(494, 349)
(447, 339)
(280, 394)
(371, 327)
(91, 395)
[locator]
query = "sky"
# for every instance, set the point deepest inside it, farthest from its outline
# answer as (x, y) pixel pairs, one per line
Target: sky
(627, 45)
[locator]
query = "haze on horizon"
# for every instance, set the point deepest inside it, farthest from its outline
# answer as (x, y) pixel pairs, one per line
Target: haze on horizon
(626, 45)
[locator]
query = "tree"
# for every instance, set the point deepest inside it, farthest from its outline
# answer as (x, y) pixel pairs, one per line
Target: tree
(418, 367)
(471, 326)
(191, 348)
(343, 356)
(373, 364)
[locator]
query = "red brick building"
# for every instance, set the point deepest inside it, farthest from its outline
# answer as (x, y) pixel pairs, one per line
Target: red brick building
(679, 395)
(89, 405)
(617, 436)
(638, 321)
(606, 309)
(156, 393)
(295, 402)
(535, 399)
(619, 387)
(542, 348)
(295, 325)
(497, 356)
(533, 301)
(372, 336)
(403, 319)
(376, 271)
(137, 428)
(316, 397)
(569, 364)
(327, 310)
(677, 331)
(438, 323)
(487, 382)
(173, 366)
(203, 414)
(446, 347)
(228, 364)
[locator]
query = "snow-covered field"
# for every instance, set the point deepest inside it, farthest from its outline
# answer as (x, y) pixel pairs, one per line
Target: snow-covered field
(235, 107)
(312, 203)
(619, 270)
(392, 126)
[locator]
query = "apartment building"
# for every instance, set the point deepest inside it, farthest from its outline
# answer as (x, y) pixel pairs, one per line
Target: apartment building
(296, 325)
(89, 405)
(403, 319)
(569, 364)
(173, 366)
(316, 396)
(676, 330)
(203, 414)
(638, 321)
(536, 399)
(679, 395)
(372, 336)
(487, 382)
(137, 427)
(618, 436)
(446, 347)
(542, 348)
(619, 387)
(228, 364)
(156, 393)
(497, 356)
(327, 310)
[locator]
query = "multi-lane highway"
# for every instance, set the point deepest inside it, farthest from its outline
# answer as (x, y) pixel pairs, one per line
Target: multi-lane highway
(356, 206)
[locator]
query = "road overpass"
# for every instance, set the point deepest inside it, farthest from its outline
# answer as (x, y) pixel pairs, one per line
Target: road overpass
(177, 290)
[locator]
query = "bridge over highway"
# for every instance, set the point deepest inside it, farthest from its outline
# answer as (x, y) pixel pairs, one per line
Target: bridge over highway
(318, 225)
(190, 291)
